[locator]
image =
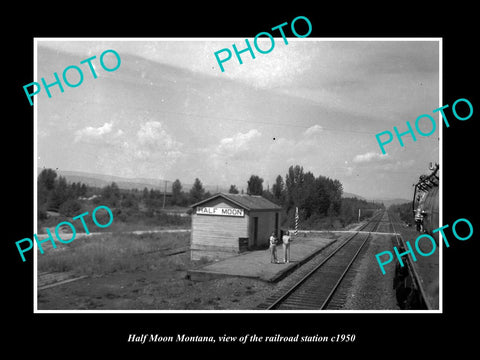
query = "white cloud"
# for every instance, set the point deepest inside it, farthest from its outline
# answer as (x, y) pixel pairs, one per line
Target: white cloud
(349, 171)
(238, 142)
(154, 141)
(231, 155)
(312, 130)
(153, 133)
(132, 150)
(398, 165)
(94, 133)
(272, 70)
(369, 157)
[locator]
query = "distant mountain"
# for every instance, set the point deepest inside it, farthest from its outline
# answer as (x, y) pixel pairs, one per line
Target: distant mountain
(352, 195)
(101, 180)
(388, 202)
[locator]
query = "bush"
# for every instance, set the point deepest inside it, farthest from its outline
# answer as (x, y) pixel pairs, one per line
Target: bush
(42, 214)
(70, 208)
(129, 202)
(119, 215)
(403, 211)
(125, 215)
(318, 222)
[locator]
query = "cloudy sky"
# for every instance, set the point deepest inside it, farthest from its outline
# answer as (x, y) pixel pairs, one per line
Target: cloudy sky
(168, 112)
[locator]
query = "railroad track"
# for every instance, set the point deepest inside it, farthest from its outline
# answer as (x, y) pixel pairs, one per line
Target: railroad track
(314, 290)
(164, 252)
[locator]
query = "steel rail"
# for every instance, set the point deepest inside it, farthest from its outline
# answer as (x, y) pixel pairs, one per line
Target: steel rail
(292, 289)
(337, 284)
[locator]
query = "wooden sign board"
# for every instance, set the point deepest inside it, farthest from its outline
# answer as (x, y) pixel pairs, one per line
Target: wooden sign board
(217, 211)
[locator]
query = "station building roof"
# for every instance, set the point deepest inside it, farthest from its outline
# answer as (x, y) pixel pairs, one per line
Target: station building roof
(245, 201)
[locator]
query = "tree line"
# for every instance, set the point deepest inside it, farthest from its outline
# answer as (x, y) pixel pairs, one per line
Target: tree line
(404, 211)
(319, 198)
(55, 194)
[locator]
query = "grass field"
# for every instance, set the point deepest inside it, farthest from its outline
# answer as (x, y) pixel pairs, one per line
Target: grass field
(107, 253)
(123, 220)
(125, 272)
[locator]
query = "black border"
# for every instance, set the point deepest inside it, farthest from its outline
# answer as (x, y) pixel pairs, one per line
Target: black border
(376, 334)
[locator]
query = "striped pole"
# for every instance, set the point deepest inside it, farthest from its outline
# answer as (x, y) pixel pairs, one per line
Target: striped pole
(296, 221)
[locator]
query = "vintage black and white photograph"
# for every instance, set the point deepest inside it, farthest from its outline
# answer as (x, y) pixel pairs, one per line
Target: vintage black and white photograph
(209, 175)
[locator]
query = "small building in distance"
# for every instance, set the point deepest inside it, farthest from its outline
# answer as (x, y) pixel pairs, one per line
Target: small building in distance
(225, 225)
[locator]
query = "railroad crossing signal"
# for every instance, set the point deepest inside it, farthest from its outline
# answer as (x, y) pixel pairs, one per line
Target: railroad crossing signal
(296, 221)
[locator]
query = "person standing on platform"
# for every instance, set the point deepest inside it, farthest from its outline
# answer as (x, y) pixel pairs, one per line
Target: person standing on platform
(286, 240)
(273, 248)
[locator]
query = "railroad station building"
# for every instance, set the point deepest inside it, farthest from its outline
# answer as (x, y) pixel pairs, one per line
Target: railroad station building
(225, 225)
